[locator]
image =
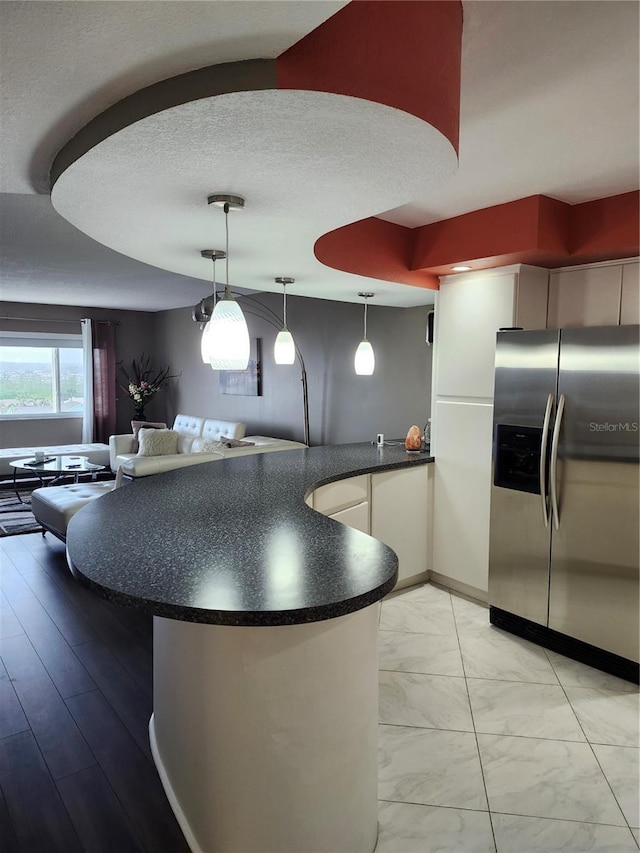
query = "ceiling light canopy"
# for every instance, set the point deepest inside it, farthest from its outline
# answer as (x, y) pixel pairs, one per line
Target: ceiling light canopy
(284, 349)
(365, 360)
(228, 344)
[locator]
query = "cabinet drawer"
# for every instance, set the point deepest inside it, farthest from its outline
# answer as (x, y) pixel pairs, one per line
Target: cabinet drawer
(354, 516)
(336, 496)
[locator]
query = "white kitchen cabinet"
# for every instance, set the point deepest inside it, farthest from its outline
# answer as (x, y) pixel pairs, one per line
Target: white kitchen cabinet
(588, 296)
(400, 517)
(630, 301)
(354, 516)
(346, 501)
(462, 496)
(392, 506)
(336, 496)
(471, 309)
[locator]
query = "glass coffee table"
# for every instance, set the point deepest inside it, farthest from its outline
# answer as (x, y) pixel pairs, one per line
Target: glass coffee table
(56, 467)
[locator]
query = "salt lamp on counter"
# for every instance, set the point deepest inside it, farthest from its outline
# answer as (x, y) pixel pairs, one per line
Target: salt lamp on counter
(413, 441)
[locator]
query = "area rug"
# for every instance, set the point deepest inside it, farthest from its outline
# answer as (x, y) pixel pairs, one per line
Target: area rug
(16, 517)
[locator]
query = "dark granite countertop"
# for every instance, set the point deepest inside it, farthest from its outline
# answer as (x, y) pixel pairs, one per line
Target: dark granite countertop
(233, 543)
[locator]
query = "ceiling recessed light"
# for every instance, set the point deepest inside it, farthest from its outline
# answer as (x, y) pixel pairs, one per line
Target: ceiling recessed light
(461, 268)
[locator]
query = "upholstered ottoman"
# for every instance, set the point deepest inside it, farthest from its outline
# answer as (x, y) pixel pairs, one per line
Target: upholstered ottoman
(96, 453)
(55, 506)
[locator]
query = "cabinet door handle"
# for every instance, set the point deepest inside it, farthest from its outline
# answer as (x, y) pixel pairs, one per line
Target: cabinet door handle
(554, 462)
(543, 460)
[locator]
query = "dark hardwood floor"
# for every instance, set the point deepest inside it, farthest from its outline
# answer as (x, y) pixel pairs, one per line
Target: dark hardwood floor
(76, 772)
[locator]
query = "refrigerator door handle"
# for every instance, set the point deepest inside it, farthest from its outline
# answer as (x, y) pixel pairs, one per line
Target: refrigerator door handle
(543, 460)
(555, 441)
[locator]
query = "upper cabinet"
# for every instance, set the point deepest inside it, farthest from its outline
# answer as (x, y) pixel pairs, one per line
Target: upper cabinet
(604, 295)
(630, 302)
(589, 296)
(471, 309)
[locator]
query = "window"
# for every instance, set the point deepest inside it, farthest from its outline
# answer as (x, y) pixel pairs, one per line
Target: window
(41, 375)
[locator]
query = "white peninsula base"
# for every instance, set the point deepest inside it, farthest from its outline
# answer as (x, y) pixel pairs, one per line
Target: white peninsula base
(265, 738)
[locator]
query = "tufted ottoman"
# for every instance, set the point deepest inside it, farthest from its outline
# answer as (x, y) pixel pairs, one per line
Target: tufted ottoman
(53, 507)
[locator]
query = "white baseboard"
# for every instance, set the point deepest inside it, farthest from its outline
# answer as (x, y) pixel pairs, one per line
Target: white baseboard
(173, 801)
(466, 589)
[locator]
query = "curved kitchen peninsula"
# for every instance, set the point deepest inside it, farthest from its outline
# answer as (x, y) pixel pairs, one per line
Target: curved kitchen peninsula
(264, 728)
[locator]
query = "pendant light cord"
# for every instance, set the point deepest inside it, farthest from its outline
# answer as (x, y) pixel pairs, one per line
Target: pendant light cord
(284, 307)
(226, 231)
(365, 318)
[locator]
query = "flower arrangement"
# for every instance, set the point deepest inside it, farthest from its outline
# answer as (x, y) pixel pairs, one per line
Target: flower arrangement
(143, 382)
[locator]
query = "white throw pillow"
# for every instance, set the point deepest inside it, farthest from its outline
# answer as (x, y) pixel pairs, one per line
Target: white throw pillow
(136, 426)
(205, 445)
(157, 442)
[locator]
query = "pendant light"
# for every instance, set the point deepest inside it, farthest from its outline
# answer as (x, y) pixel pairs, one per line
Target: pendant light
(365, 360)
(205, 340)
(230, 346)
(284, 349)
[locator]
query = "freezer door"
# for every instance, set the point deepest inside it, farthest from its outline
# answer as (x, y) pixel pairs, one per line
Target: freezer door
(525, 388)
(595, 573)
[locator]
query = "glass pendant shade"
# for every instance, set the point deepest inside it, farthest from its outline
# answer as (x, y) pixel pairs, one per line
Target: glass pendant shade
(365, 360)
(205, 344)
(229, 335)
(284, 349)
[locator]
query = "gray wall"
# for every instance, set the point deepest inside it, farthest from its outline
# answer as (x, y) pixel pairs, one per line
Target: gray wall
(134, 335)
(343, 407)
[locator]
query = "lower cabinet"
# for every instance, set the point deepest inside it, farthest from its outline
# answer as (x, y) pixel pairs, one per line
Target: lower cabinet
(355, 516)
(393, 506)
(400, 513)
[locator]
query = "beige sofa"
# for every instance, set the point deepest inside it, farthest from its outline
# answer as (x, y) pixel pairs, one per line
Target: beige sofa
(190, 428)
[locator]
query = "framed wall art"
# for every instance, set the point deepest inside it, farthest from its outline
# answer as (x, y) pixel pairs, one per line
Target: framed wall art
(247, 383)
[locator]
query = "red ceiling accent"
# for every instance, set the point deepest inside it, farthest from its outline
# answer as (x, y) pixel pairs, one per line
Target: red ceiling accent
(401, 53)
(374, 248)
(533, 230)
(537, 230)
(606, 229)
(406, 54)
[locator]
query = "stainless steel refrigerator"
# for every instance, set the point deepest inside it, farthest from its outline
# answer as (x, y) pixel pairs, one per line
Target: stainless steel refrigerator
(565, 542)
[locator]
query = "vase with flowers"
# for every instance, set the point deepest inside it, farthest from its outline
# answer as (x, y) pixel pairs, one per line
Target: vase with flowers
(142, 382)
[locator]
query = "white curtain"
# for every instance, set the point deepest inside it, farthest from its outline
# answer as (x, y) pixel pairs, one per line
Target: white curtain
(87, 353)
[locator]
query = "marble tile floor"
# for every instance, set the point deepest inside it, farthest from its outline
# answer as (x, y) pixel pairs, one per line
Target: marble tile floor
(491, 743)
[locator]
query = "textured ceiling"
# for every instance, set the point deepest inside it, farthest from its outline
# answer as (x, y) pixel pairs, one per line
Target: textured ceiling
(549, 105)
(64, 62)
(143, 190)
